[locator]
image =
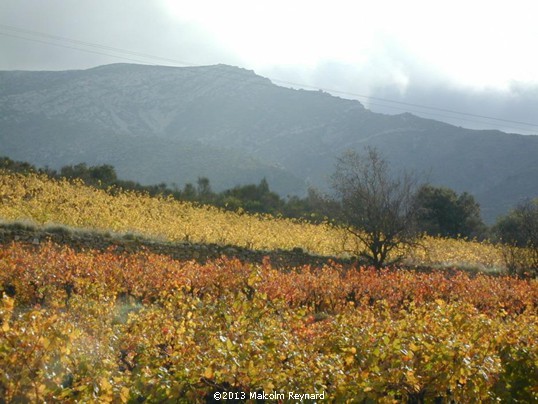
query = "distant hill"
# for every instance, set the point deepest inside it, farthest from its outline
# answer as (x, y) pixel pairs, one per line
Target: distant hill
(174, 124)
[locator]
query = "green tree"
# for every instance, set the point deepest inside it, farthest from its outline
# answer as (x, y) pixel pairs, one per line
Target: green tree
(105, 173)
(518, 231)
(315, 207)
(253, 198)
(16, 166)
(189, 192)
(204, 191)
(94, 175)
(441, 211)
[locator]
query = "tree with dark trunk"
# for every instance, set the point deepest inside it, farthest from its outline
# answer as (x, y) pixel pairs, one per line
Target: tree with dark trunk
(375, 206)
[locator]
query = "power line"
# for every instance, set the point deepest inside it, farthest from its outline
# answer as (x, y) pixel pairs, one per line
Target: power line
(405, 103)
(301, 85)
(88, 44)
(72, 47)
(447, 117)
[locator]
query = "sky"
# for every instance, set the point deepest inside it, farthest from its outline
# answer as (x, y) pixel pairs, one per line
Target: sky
(469, 63)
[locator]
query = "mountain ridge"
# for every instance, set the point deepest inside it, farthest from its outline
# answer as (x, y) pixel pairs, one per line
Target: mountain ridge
(234, 126)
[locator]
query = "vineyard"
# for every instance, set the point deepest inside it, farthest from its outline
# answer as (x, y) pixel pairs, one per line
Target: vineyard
(110, 327)
(45, 201)
(90, 325)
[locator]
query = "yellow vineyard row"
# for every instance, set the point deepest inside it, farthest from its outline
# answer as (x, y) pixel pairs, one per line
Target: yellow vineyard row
(42, 200)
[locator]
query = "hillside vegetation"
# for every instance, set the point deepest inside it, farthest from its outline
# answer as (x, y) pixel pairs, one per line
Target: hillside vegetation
(109, 327)
(102, 325)
(42, 200)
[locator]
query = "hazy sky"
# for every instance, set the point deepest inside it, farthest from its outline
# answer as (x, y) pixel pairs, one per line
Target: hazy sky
(477, 57)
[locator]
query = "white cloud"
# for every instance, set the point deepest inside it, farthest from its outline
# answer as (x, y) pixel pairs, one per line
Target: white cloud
(479, 43)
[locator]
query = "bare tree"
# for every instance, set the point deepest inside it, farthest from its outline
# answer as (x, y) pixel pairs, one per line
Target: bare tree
(376, 207)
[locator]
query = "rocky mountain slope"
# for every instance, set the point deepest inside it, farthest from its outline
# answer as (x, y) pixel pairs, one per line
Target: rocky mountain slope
(171, 124)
